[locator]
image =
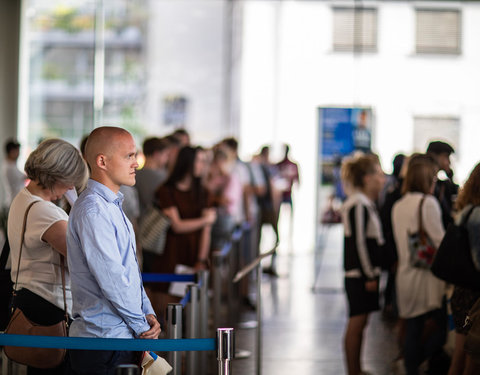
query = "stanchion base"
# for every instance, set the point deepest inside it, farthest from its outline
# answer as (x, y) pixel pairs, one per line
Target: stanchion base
(242, 354)
(249, 324)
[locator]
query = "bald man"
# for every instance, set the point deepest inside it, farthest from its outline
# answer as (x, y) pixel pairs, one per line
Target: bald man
(108, 296)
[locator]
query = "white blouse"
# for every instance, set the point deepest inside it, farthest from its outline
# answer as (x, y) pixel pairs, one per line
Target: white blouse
(40, 270)
(418, 290)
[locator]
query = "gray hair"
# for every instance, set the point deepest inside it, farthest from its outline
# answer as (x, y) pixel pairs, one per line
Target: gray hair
(56, 161)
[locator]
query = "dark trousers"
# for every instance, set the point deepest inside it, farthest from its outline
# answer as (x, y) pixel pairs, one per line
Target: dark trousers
(425, 336)
(99, 362)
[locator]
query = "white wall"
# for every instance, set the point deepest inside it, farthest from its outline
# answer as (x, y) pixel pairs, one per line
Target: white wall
(280, 96)
(185, 57)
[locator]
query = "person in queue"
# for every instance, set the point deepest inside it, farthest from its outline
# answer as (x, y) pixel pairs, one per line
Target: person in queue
(54, 167)
(463, 298)
(185, 201)
(420, 295)
(446, 189)
(109, 298)
(364, 179)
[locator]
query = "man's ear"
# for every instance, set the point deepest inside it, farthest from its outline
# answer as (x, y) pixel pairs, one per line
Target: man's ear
(101, 161)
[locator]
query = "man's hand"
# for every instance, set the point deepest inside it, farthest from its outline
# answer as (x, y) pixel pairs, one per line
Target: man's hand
(154, 330)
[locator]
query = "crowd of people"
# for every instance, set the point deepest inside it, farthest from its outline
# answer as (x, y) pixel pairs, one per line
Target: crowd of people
(383, 217)
(83, 210)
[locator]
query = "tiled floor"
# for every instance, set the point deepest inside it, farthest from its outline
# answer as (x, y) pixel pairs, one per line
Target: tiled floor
(304, 315)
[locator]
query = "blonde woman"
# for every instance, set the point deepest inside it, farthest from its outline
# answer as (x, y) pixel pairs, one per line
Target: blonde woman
(364, 179)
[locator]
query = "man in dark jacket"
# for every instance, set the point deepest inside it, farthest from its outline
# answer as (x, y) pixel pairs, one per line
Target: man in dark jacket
(445, 190)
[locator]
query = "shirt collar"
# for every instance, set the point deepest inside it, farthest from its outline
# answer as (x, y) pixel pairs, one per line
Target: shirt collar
(105, 192)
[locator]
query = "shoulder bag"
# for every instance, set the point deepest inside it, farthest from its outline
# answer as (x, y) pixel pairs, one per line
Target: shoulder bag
(453, 261)
(153, 230)
(422, 251)
(20, 325)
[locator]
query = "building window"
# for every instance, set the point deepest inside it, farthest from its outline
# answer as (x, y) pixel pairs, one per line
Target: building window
(355, 29)
(438, 31)
(431, 128)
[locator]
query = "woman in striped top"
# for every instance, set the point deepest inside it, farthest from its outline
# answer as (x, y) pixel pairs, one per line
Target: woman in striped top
(363, 179)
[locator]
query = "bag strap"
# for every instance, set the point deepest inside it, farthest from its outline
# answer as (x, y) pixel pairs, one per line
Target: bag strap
(421, 230)
(62, 261)
(22, 240)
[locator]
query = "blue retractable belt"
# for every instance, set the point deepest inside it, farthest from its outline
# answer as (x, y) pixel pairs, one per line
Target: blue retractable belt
(84, 343)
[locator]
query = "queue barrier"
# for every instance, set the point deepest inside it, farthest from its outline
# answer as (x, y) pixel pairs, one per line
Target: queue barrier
(196, 306)
(223, 344)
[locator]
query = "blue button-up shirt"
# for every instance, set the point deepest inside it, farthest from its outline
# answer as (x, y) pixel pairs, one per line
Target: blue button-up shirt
(108, 296)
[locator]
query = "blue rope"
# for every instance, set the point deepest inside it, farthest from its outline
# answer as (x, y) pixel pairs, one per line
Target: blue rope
(84, 343)
(185, 299)
(236, 235)
(167, 278)
(226, 249)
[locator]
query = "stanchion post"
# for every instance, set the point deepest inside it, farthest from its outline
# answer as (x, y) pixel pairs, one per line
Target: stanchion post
(231, 295)
(217, 288)
(192, 327)
(174, 320)
(204, 313)
(259, 318)
(225, 350)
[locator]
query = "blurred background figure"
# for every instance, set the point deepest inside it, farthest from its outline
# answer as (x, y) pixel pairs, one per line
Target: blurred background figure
(185, 201)
(154, 172)
(182, 136)
(288, 176)
(445, 189)
(463, 298)
(225, 190)
(390, 194)
(14, 178)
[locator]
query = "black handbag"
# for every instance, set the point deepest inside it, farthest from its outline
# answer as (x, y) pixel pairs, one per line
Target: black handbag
(453, 261)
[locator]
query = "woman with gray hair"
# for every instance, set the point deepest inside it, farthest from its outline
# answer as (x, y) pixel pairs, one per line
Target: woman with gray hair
(53, 168)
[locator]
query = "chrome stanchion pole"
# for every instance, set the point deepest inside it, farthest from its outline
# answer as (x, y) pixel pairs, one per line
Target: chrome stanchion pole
(192, 327)
(204, 313)
(203, 282)
(225, 350)
(259, 319)
(217, 288)
(174, 319)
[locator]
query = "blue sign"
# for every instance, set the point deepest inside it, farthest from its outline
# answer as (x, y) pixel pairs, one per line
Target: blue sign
(341, 131)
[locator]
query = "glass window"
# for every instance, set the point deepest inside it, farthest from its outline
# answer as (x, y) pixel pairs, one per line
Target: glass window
(438, 31)
(61, 48)
(355, 29)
